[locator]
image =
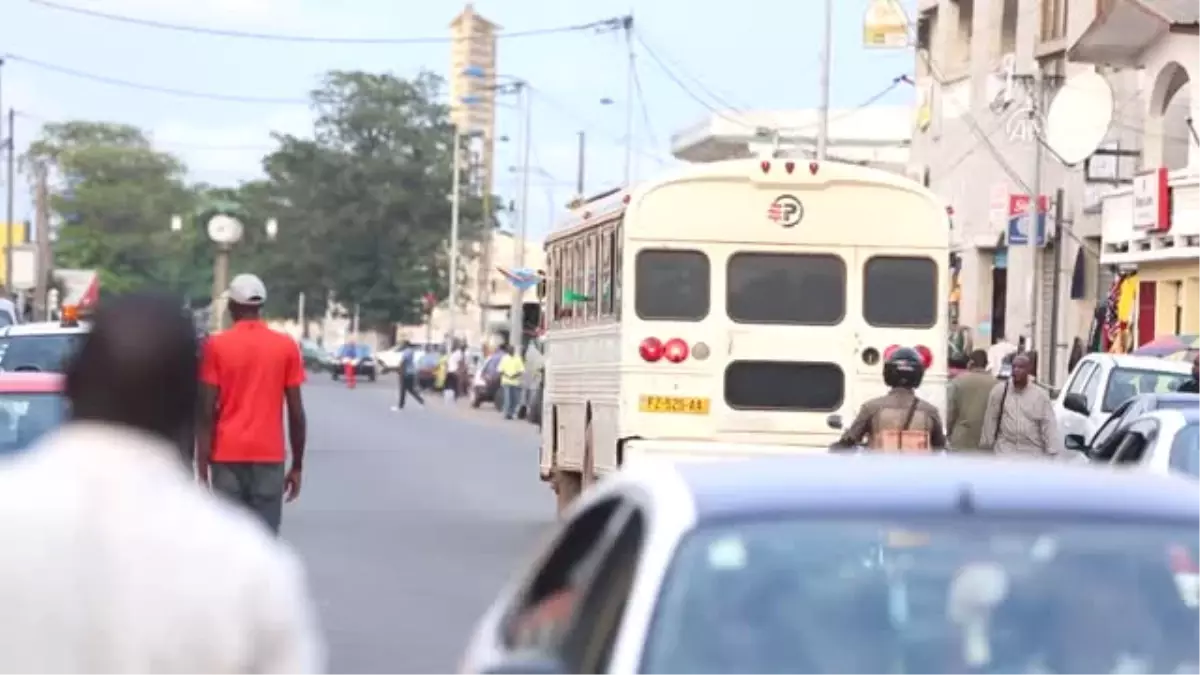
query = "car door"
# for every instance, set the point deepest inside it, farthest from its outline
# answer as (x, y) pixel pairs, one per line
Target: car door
(1092, 391)
(1137, 439)
(1103, 444)
(534, 619)
(1070, 422)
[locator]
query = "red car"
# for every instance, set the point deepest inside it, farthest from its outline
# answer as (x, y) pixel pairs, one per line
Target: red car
(31, 404)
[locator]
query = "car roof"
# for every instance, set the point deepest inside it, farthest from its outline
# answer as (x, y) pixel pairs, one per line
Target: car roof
(1183, 415)
(1143, 362)
(1171, 397)
(44, 328)
(878, 483)
(31, 383)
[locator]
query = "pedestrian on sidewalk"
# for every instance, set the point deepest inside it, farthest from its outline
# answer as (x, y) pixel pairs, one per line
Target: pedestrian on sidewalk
(408, 376)
(1020, 416)
(114, 559)
(966, 402)
(247, 374)
(512, 368)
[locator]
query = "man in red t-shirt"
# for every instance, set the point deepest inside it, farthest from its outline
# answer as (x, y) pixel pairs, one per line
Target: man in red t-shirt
(246, 375)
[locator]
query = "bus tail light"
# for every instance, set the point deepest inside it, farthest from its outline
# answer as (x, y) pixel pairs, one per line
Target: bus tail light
(926, 355)
(789, 166)
(675, 350)
(766, 166)
(651, 349)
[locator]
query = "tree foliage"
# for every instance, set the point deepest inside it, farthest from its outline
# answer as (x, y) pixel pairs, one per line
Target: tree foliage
(362, 204)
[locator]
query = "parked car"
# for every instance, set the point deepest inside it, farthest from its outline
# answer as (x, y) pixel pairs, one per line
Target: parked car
(1100, 383)
(31, 405)
(389, 359)
(1104, 442)
(833, 564)
(316, 359)
(427, 366)
(363, 360)
(1162, 441)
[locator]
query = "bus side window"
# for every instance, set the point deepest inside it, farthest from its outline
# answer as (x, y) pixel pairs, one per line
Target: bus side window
(615, 244)
(606, 273)
(593, 297)
(553, 295)
(577, 276)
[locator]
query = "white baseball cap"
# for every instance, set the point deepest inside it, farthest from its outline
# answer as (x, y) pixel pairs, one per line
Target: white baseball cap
(247, 289)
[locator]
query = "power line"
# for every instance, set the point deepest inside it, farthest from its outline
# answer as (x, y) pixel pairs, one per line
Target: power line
(721, 101)
(309, 39)
(170, 91)
(684, 87)
(641, 95)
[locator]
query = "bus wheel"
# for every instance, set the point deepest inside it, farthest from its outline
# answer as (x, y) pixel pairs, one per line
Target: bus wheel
(589, 452)
(567, 486)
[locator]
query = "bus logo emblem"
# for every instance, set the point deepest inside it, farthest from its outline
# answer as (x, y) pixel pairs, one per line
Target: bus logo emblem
(786, 210)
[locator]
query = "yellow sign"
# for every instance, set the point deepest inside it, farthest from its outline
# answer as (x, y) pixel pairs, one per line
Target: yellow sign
(885, 26)
(674, 404)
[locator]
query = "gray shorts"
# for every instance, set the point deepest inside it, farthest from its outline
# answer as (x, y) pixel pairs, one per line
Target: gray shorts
(255, 485)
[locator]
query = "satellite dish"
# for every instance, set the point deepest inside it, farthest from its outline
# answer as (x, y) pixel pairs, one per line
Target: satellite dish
(1079, 117)
(224, 229)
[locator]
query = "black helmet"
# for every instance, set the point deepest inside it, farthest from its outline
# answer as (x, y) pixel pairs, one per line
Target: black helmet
(904, 367)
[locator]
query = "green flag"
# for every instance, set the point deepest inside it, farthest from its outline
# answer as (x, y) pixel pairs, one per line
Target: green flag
(572, 296)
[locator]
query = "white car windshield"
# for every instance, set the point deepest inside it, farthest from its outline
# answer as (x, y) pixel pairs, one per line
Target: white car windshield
(1185, 450)
(938, 596)
(47, 353)
(1125, 383)
(26, 417)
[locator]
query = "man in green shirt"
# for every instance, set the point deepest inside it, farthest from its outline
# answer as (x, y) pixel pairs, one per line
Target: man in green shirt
(966, 403)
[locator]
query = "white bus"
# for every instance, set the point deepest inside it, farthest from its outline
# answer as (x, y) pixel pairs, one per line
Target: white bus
(732, 308)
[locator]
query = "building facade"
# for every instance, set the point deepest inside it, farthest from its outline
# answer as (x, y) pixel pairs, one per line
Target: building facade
(876, 136)
(1153, 225)
(975, 142)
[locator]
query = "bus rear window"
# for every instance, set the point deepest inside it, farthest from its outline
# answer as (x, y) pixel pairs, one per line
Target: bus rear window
(784, 385)
(672, 285)
(784, 288)
(900, 292)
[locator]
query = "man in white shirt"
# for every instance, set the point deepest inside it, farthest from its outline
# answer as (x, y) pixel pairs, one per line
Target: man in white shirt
(999, 351)
(454, 373)
(114, 560)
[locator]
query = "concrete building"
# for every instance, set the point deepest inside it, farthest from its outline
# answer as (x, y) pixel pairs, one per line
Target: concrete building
(486, 310)
(1153, 225)
(877, 136)
(978, 119)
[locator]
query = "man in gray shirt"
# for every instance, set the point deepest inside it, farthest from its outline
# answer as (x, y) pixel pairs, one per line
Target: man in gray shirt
(1020, 416)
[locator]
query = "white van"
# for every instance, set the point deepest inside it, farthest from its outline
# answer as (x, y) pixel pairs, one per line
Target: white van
(1101, 382)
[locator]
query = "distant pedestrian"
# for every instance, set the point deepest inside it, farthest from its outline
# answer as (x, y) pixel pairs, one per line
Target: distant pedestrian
(1192, 385)
(114, 560)
(454, 367)
(1020, 416)
(966, 402)
(247, 374)
(408, 376)
(512, 368)
(1000, 350)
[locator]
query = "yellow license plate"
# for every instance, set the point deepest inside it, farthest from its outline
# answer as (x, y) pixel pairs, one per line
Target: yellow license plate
(674, 404)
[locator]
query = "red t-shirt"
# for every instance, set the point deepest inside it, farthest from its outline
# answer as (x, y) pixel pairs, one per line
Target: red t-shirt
(251, 366)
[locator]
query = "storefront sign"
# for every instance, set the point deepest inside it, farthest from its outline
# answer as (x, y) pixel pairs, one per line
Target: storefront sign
(1151, 201)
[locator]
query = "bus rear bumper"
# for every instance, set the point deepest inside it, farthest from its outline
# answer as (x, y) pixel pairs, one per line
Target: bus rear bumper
(642, 451)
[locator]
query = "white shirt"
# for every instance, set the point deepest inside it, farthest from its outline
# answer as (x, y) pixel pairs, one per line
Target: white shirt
(113, 560)
(997, 353)
(455, 361)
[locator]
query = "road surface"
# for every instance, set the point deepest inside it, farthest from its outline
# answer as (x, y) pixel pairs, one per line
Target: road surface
(409, 522)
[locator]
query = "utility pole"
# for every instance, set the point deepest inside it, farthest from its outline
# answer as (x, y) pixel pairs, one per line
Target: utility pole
(630, 81)
(516, 332)
(1059, 196)
(580, 174)
(1036, 99)
(455, 197)
(11, 146)
(826, 72)
(45, 257)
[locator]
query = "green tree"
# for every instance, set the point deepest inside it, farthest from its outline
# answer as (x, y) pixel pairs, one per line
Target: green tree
(364, 206)
(114, 198)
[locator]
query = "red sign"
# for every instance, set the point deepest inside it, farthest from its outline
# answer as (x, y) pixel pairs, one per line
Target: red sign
(1151, 201)
(1018, 205)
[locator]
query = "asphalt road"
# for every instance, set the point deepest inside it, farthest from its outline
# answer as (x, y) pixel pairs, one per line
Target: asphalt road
(409, 522)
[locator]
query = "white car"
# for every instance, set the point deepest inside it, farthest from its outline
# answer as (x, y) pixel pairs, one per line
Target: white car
(1164, 441)
(389, 359)
(41, 346)
(1101, 382)
(835, 564)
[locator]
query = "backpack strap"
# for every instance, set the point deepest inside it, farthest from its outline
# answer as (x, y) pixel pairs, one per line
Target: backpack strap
(912, 410)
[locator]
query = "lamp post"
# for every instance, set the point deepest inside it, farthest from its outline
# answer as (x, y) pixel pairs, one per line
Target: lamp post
(224, 230)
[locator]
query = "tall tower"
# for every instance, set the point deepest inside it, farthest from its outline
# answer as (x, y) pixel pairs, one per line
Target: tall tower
(473, 111)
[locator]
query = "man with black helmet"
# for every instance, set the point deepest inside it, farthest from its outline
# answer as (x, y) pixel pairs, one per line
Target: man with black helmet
(899, 410)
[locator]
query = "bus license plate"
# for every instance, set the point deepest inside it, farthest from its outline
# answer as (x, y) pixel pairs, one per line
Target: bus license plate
(674, 404)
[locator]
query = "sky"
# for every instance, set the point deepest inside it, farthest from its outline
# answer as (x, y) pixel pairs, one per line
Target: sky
(754, 54)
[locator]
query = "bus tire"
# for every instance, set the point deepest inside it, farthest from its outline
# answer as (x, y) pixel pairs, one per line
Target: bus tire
(588, 475)
(567, 487)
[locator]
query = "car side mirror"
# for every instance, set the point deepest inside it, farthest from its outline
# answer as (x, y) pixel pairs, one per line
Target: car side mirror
(834, 421)
(1076, 403)
(526, 664)
(1075, 442)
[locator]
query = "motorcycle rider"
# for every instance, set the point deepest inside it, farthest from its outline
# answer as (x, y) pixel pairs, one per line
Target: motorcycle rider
(899, 410)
